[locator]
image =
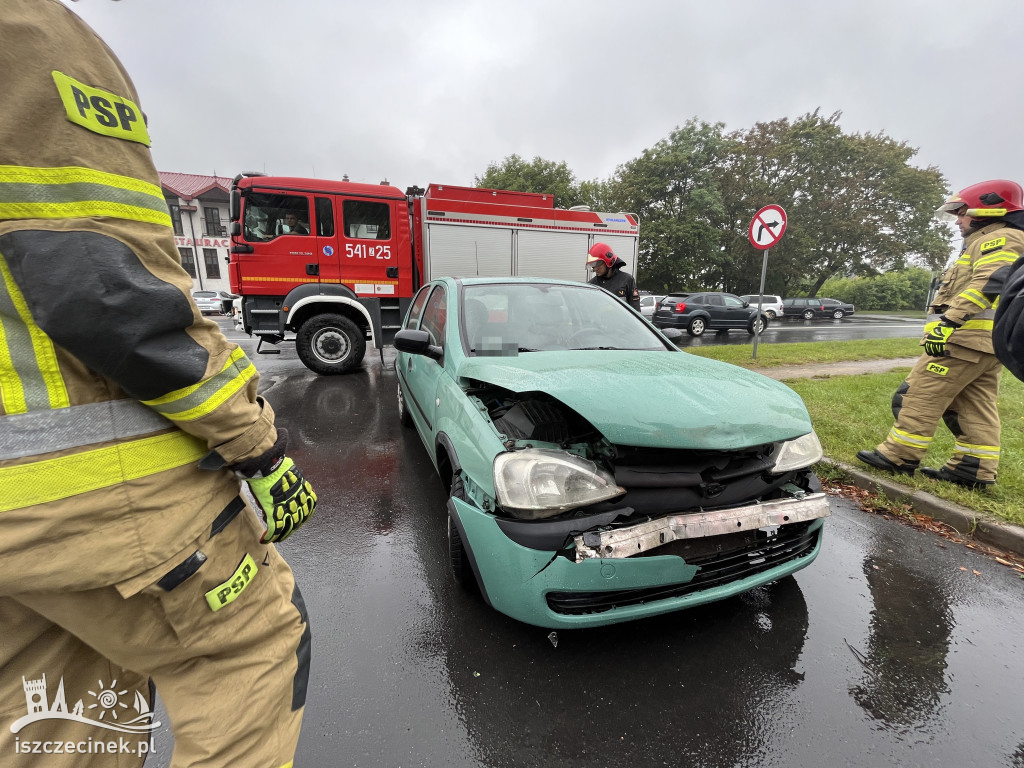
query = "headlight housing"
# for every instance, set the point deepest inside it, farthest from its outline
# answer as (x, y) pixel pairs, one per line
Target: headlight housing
(535, 483)
(798, 453)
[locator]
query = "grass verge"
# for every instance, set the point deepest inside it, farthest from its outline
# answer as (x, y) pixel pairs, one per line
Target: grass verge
(810, 353)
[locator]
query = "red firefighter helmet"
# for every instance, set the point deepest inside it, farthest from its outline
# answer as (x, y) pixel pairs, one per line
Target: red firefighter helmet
(986, 200)
(602, 252)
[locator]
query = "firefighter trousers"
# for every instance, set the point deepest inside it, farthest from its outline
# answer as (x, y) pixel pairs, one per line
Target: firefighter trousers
(961, 391)
(223, 636)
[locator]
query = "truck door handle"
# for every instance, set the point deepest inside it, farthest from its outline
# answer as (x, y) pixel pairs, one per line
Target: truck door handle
(312, 269)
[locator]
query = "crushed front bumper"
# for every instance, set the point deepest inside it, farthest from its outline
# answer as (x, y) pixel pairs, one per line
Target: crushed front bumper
(639, 538)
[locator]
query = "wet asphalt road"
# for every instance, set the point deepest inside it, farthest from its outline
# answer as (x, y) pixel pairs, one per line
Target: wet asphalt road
(885, 651)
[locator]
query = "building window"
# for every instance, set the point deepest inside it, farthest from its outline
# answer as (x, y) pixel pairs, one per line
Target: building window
(210, 260)
(176, 218)
(188, 260)
(211, 223)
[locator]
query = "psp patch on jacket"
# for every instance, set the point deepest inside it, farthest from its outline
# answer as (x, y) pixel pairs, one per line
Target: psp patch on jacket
(101, 111)
(992, 245)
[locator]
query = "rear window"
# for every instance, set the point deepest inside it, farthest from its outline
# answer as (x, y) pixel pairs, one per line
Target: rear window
(204, 294)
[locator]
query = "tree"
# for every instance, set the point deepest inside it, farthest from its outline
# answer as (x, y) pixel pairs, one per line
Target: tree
(854, 203)
(673, 187)
(539, 175)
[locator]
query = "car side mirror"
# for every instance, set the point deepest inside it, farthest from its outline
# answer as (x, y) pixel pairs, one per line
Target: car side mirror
(417, 343)
(746, 304)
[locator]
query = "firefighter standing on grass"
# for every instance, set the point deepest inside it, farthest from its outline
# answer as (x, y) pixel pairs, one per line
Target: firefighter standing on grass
(957, 379)
(608, 275)
(127, 425)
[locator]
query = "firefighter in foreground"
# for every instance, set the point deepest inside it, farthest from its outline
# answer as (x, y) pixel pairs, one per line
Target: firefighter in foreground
(608, 274)
(957, 379)
(128, 425)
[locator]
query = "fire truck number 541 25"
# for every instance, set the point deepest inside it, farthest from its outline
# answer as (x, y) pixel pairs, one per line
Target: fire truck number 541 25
(364, 251)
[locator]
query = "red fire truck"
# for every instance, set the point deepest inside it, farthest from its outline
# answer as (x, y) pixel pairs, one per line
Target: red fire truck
(336, 263)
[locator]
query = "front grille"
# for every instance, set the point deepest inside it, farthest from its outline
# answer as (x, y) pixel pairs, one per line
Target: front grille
(750, 558)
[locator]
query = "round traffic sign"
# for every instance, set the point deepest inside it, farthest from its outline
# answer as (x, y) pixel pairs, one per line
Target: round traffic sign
(767, 226)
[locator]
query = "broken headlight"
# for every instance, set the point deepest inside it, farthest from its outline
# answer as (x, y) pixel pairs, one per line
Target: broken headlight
(796, 454)
(536, 483)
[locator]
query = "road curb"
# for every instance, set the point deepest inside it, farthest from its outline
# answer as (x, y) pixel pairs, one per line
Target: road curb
(967, 522)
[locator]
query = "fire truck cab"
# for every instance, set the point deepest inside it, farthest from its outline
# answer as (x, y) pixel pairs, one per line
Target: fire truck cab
(337, 262)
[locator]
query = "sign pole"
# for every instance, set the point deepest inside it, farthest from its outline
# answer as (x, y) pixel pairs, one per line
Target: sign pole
(760, 298)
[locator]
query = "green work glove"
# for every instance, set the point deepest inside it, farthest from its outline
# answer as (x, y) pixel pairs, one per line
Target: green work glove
(935, 338)
(286, 497)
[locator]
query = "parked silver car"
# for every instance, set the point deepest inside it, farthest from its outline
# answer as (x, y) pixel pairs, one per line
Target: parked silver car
(209, 302)
(771, 305)
(648, 303)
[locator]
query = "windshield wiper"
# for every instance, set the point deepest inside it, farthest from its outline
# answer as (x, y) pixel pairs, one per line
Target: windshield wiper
(581, 349)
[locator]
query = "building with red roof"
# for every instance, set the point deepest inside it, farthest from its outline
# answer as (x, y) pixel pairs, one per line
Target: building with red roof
(199, 214)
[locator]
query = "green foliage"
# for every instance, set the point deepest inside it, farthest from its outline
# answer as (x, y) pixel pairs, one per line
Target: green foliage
(903, 289)
(539, 175)
(855, 204)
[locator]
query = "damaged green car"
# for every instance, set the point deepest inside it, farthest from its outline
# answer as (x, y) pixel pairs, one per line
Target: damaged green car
(598, 474)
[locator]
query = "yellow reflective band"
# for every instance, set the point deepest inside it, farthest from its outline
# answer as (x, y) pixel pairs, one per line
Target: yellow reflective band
(977, 451)
(974, 325)
(988, 245)
(905, 438)
(45, 354)
(941, 370)
(101, 111)
(43, 481)
(995, 258)
(12, 394)
(225, 593)
(976, 297)
(979, 213)
(200, 399)
(72, 192)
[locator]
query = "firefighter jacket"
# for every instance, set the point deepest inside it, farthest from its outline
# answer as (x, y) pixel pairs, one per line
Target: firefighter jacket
(621, 284)
(112, 385)
(970, 288)
(1008, 332)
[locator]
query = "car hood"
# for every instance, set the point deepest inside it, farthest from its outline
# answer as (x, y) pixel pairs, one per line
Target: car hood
(654, 399)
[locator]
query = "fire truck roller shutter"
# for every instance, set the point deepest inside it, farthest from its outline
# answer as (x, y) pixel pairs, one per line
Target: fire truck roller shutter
(457, 251)
(559, 255)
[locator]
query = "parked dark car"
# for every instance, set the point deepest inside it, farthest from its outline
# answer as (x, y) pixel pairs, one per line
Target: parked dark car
(809, 309)
(698, 312)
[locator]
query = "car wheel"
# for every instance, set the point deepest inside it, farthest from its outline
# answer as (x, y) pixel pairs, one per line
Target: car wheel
(462, 571)
(808, 314)
(696, 327)
(771, 314)
(838, 314)
(757, 325)
(403, 411)
(329, 344)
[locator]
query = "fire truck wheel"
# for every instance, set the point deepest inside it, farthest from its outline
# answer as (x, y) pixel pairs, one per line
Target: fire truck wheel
(329, 344)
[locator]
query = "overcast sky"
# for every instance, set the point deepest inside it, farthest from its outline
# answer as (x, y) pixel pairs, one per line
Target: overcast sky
(432, 91)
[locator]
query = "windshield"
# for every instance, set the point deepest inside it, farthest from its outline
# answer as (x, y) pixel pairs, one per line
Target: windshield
(509, 318)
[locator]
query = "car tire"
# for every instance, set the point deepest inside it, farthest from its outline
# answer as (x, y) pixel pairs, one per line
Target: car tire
(770, 313)
(754, 322)
(404, 418)
(329, 344)
(462, 571)
(838, 314)
(808, 314)
(696, 327)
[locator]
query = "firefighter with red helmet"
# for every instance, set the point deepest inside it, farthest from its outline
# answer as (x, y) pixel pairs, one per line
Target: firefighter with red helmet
(133, 445)
(608, 274)
(956, 380)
